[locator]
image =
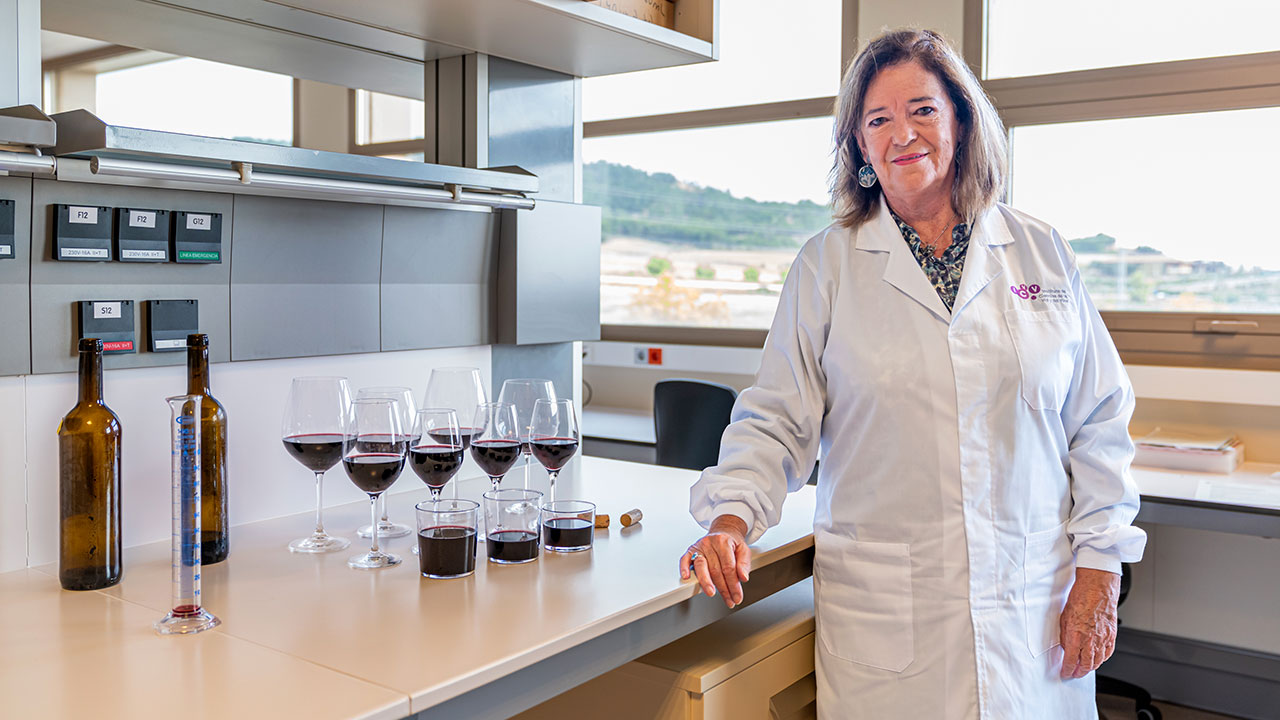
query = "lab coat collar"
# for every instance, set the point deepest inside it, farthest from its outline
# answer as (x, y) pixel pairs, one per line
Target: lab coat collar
(903, 271)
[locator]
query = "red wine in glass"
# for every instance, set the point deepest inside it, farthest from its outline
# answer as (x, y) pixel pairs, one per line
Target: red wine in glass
(435, 464)
(317, 452)
(495, 457)
(554, 452)
(445, 437)
(513, 546)
(567, 532)
(447, 551)
(373, 472)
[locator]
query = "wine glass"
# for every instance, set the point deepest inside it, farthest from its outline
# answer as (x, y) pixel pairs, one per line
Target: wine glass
(437, 454)
(316, 421)
(373, 456)
(553, 437)
(403, 398)
(496, 443)
(460, 390)
(523, 393)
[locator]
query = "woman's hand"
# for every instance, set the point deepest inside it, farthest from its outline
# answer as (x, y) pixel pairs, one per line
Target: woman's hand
(723, 560)
(1088, 624)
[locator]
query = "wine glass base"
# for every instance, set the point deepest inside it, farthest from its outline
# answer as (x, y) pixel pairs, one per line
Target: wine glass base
(386, 529)
(186, 623)
(319, 543)
(373, 561)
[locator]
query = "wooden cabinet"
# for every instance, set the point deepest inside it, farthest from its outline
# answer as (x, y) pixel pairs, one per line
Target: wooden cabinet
(756, 664)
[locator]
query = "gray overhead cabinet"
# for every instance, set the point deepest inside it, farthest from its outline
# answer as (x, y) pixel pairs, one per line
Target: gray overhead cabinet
(137, 235)
(382, 45)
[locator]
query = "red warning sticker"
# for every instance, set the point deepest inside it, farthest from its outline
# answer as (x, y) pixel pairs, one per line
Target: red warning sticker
(117, 345)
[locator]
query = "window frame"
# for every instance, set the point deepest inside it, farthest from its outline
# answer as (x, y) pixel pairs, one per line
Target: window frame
(1174, 87)
(1225, 340)
(391, 147)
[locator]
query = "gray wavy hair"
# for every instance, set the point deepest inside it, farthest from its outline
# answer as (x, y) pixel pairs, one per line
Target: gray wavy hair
(981, 157)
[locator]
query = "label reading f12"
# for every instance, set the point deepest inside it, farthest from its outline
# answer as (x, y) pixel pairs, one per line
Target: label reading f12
(77, 215)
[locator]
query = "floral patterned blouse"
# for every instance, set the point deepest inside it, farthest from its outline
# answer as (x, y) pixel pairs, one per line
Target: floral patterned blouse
(943, 272)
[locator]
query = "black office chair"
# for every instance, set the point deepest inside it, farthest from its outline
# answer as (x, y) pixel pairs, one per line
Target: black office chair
(689, 416)
(1144, 710)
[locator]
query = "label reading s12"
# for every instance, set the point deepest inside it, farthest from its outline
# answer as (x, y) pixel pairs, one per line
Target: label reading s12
(199, 222)
(77, 215)
(142, 218)
(106, 310)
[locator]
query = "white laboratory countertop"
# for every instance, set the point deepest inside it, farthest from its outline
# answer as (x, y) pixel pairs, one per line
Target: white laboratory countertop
(611, 423)
(308, 633)
(1252, 485)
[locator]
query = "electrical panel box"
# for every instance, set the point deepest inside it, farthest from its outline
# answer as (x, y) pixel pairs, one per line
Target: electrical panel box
(111, 321)
(81, 232)
(197, 237)
(142, 235)
(169, 322)
(7, 212)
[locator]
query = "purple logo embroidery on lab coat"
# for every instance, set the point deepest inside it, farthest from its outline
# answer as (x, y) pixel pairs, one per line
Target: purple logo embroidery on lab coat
(1026, 292)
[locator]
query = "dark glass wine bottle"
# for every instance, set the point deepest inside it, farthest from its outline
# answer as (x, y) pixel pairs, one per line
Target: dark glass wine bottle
(214, 529)
(89, 483)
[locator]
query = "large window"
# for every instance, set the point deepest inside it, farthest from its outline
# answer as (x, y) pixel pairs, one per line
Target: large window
(768, 52)
(712, 176)
(700, 226)
(1035, 37)
(1161, 211)
(382, 119)
(203, 98)
(1139, 129)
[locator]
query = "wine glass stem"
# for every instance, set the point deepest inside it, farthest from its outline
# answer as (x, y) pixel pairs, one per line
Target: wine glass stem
(552, 474)
(526, 471)
(383, 498)
(373, 519)
(435, 494)
(495, 481)
(319, 503)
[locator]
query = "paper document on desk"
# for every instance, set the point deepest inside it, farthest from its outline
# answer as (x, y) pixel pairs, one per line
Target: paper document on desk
(1185, 440)
(1228, 493)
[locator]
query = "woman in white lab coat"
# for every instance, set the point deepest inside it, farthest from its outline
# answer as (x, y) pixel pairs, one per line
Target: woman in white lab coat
(940, 352)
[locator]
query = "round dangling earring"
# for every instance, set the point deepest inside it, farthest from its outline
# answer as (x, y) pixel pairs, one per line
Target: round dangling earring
(866, 176)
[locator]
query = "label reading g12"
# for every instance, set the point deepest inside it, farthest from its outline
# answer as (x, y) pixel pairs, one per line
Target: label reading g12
(77, 215)
(199, 222)
(106, 310)
(142, 218)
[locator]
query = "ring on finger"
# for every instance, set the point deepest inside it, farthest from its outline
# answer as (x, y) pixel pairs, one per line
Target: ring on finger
(694, 555)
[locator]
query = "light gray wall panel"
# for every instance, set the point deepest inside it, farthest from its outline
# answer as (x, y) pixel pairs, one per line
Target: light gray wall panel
(549, 274)
(531, 124)
(553, 361)
(15, 283)
(305, 279)
(57, 285)
(437, 278)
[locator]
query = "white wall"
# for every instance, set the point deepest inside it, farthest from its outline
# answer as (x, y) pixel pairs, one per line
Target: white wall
(264, 482)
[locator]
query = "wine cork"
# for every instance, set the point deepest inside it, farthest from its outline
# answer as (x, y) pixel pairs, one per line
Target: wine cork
(631, 517)
(602, 521)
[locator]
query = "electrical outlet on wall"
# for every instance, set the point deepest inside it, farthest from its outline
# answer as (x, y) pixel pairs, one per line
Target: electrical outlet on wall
(655, 356)
(640, 355)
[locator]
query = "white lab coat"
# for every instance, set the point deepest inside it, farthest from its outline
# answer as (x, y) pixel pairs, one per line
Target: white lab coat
(971, 461)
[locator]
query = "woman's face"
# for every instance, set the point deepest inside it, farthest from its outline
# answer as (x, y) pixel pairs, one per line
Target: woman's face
(908, 131)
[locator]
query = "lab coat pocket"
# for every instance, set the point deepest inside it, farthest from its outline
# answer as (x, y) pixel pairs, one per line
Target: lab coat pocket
(1048, 565)
(1046, 342)
(864, 601)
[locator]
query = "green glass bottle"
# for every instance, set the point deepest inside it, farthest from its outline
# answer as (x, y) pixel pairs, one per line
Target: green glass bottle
(214, 528)
(89, 483)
